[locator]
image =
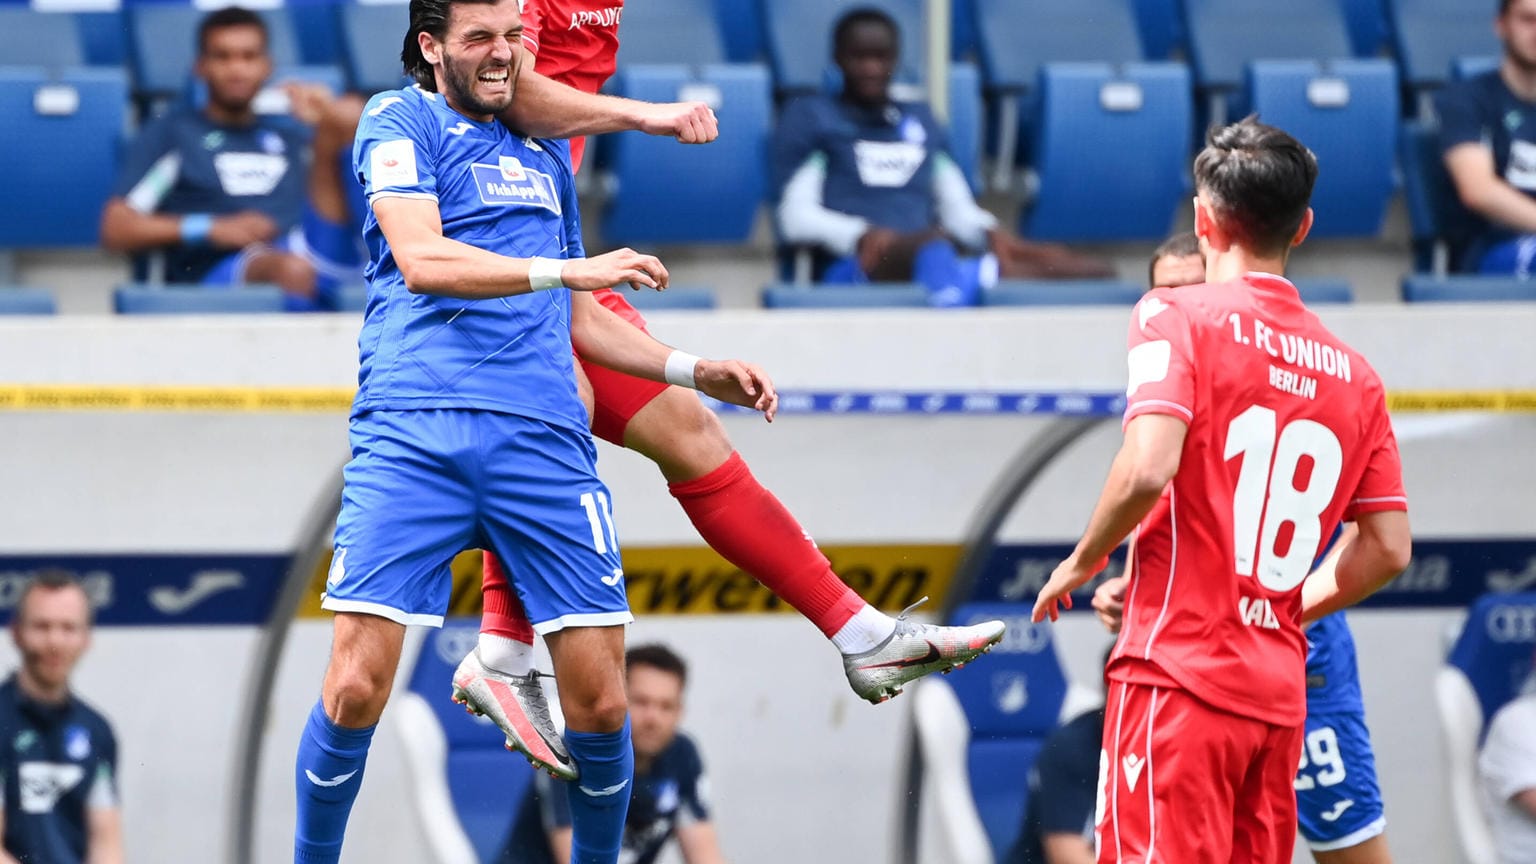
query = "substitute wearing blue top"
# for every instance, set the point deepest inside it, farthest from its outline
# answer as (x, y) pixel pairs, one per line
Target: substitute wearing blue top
(496, 191)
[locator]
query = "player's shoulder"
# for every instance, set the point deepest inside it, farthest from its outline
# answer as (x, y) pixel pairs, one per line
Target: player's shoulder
(395, 105)
(683, 754)
(87, 714)
(810, 109)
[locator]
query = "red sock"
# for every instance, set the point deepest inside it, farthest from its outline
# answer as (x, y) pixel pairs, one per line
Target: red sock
(750, 528)
(503, 614)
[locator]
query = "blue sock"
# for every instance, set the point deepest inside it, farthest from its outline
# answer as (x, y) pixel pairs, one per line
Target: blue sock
(600, 799)
(328, 773)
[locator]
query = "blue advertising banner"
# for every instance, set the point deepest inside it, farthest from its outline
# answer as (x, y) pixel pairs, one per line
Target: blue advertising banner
(138, 590)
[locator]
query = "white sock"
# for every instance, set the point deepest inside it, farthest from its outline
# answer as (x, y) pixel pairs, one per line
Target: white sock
(864, 631)
(507, 656)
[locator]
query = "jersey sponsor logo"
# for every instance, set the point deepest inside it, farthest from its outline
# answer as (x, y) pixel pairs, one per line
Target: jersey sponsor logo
(608, 17)
(1132, 765)
(1257, 612)
(1147, 363)
(44, 783)
(249, 174)
(383, 104)
(1337, 811)
(205, 583)
(334, 781)
(1511, 623)
(888, 164)
(393, 163)
(510, 183)
(1521, 172)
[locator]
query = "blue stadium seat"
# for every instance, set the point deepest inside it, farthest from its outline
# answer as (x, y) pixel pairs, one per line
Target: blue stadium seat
(667, 193)
(77, 115)
(103, 37)
(1224, 35)
(163, 45)
(1017, 39)
(1367, 22)
(798, 34)
(364, 29)
(160, 300)
(670, 31)
(1062, 292)
(674, 298)
(1315, 291)
(317, 25)
(884, 295)
(1463, 68)
(966, 114)
(1485, 668)
(1091, 184)
(741, 27)
(48, 39)
(1428, 34)
(1439, 223)
(1467, 289)
(465, 786)
(1346, 112)
(962, 29)
(988, 727)
(1161, 23)
(348, 298)
(22, 300)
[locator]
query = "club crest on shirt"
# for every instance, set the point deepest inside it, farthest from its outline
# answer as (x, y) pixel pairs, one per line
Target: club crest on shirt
(77, 742)
(511, 183)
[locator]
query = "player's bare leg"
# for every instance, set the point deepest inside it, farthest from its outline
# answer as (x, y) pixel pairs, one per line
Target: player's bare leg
(1372, 851)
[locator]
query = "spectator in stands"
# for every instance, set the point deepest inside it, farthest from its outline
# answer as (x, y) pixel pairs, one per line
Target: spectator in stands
(219, 190)
(1508, 767)
(59, 756)
(1178, 261)
(668, 798)
(1488, 141)
(866, 181)
(1063, 794)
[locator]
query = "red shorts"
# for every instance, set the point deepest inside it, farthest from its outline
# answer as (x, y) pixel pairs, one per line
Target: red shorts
(618, 397)
(1181, 782)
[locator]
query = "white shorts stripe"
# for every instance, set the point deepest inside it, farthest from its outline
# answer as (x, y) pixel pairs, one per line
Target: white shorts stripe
(399, 616)
(1151, 797)
(1114, 760)
(583, 619)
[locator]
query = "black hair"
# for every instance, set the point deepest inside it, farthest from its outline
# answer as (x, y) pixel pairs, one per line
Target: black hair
(51, 579)
(229, 16)
(657, 656)
(863, 15)
(1180, 245)
(1259, 180)
(1504, 7)
(427, 16)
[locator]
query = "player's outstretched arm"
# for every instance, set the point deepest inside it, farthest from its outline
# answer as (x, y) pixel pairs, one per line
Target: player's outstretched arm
(1359, 565)
(545, 108)
(434, 264)
(1144, 466)
(604, 338)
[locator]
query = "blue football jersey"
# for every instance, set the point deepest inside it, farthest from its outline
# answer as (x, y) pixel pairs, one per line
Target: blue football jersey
(1333, 681)
(497, 191)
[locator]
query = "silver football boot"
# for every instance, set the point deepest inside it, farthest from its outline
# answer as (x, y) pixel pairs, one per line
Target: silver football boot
(516, 704)
(915, 650)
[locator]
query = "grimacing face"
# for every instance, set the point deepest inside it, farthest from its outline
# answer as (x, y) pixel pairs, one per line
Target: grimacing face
(479, 58)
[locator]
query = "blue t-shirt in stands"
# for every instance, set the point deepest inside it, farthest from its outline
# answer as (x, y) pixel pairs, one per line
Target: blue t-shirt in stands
(182, 162)
(58, 762)
(1482, 110)
(497, 191)
(669, 794)
(1063, 787)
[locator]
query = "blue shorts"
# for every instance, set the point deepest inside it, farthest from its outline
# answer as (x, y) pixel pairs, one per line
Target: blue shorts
(424, 485)
(1338, 801)
(331, 248)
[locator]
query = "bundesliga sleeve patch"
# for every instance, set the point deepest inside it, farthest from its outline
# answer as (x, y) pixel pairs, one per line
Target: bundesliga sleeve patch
(393, 163)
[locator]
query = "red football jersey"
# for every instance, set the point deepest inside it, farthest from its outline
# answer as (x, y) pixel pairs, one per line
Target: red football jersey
(575, 42)
(1288, 434)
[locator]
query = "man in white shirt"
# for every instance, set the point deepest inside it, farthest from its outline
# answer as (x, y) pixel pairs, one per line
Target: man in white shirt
(1508, 768)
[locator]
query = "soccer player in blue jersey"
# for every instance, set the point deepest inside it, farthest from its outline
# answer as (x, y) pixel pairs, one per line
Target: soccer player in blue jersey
(1337, 796)
(467, 430)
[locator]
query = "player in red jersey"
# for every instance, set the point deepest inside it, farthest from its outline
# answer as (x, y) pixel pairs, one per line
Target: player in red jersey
(575, 42)
(1250, 431)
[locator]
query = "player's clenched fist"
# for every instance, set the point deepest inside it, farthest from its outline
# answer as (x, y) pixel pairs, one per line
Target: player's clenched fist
(612, 269)
(688, 122)
(738, 383)
(1109, 602)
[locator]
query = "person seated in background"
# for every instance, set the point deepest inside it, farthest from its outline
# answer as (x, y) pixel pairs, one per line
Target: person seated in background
(1063, 794)
(1488, 142)
(868, 183)
(668, 796)
(220, 190)
(1507, 764)
(59, 762)
(1177, 262)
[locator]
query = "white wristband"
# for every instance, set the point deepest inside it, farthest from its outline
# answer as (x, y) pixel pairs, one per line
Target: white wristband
(680, 366)
(544, 273)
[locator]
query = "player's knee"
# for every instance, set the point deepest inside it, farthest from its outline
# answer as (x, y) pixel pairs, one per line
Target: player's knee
(296, 276)
(600, 711)
(355, 695)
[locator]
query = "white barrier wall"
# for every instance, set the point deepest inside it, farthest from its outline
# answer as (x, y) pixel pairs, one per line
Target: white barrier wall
(801, 770)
